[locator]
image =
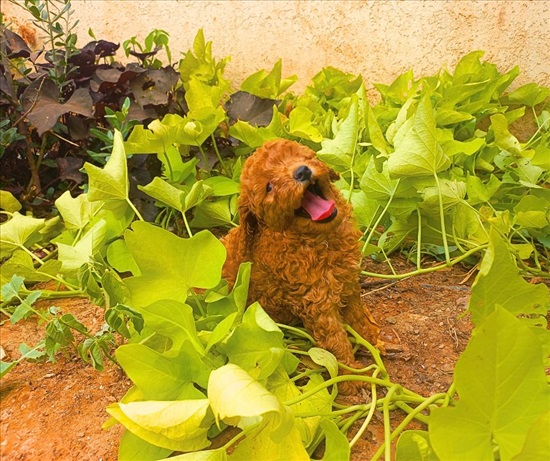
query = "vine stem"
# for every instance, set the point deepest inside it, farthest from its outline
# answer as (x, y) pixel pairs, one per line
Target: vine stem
(218, 153)
(187, 227)
(363, 428)
(442, 220)
(428, 270)
(132, 206)
(385, 447)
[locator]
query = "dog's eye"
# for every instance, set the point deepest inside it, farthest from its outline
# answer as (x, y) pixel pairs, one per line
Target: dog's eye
(269, 187)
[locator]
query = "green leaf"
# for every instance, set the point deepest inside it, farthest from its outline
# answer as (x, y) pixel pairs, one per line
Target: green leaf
(173, 265)
(20, 231)
(111, 182)
(173, 320)
(502, 389)
(234, 394)
(213, 214)
(418, 153)
(337, 445)
(160, 377)
(132, 447)
(301, 124)
(414, 446)
(6, 367)
(479, 191)
(82, 252)
(499, 283)
(205, 455)
(530, 95)
(452, 193)
(324, 358)
(503, 138)
(201, 95)
(176, 425)
(532, 212)
(256, 345)
(165, 192)
(8, 202)
(76, 212)
(454, 147)
(537, 442)
(250, 135)
(338, 151)
(277, 439)
(10, 290)
(222, 186)
(375, 133)
(120, 258)
(268, 85)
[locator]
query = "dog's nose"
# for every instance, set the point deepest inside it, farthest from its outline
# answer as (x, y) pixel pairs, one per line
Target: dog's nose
(303, 173)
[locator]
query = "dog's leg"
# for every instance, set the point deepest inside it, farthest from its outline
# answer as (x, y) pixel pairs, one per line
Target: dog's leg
(358, 316)
(329, 333)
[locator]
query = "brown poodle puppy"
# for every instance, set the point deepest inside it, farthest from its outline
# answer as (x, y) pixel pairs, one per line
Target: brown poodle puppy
(299, 234)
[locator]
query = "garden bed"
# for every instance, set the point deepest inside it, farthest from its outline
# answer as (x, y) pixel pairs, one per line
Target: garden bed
(56, 410)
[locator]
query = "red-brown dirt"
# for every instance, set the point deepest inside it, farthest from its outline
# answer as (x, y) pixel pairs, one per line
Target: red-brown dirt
(54, 411)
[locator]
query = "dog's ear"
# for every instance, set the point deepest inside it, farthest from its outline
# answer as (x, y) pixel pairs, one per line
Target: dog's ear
(239, 241)
(333, 175)
(247, 219)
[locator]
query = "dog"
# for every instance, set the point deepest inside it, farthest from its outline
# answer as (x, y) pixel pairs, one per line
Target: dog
(299, 233)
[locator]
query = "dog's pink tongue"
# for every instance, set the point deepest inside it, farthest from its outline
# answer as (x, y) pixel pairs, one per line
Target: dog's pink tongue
(317, 207)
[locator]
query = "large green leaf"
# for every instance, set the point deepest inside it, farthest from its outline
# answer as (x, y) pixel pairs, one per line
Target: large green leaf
(170, 265)
(20, 231)
(8, 202)
(160, 377)
(502, 389)
(278, 439)
(175, 425)
(321, 402)
(338, 152)
(111, 181)
(72, 257)
(234, 394)
(537, 443)
(337, 445)
(499, 283)
(301, 124)
(414, 446)
(132, 447)
(205, 455)
(268, 85)
(418, 152)
(256, 345)
(173, 320)
(76, 212)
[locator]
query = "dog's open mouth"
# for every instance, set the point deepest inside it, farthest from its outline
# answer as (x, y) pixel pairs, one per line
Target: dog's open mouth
(315, 206)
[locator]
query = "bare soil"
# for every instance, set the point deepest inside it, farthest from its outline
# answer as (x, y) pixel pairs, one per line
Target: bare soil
(54, 411)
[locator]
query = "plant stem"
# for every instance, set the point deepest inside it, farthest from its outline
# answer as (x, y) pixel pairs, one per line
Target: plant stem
(386, 445)
(387, 424)
(297, 332)
(419, 240)
(442, 220)
(132, 206)
(187, 228)
(204, 159)
(365, 424)
(427, 270)
(218, 154)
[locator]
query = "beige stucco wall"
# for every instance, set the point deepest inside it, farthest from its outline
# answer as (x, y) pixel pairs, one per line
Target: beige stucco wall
(379, 39)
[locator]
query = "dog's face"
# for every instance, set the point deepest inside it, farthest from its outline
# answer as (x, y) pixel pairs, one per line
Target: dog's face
(285, 187)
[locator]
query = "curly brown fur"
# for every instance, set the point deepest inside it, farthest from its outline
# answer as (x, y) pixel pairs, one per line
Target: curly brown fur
(302, 269)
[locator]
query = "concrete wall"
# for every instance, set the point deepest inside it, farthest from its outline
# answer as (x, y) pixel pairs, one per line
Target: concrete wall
(379, 39)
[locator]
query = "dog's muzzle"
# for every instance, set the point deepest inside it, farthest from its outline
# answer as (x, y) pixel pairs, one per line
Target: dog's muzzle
(314, 205)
